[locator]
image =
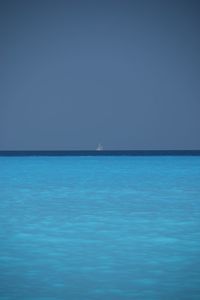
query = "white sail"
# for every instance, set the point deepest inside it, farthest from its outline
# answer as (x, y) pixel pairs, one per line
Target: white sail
(99, 147)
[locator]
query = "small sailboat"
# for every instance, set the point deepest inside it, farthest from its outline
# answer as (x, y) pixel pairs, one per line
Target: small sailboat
(99, 147)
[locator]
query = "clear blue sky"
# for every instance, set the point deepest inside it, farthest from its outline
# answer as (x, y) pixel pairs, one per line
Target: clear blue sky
(123, 73)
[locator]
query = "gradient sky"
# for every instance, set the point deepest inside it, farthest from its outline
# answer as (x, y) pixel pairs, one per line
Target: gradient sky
(123, 73)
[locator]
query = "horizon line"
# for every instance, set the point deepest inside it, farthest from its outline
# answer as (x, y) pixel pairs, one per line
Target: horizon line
(99, 153)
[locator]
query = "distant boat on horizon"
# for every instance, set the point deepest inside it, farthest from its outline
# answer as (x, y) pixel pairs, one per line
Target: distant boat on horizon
(99, 147)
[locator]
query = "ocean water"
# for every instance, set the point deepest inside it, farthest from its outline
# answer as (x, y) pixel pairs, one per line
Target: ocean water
(95, 227)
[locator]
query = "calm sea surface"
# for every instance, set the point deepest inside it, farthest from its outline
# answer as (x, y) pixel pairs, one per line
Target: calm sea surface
(92, 227)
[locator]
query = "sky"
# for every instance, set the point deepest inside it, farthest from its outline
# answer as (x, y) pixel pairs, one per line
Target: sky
(122, 73)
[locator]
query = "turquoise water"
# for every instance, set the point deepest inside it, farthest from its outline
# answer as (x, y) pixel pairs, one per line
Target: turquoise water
(77, 228)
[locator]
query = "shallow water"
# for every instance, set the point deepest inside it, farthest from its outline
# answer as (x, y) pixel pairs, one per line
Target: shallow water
(84, 228)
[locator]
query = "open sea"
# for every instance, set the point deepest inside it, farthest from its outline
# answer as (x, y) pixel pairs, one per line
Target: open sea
(100, 227)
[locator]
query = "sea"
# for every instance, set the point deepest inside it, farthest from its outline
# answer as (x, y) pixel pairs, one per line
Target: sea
(100, 227)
